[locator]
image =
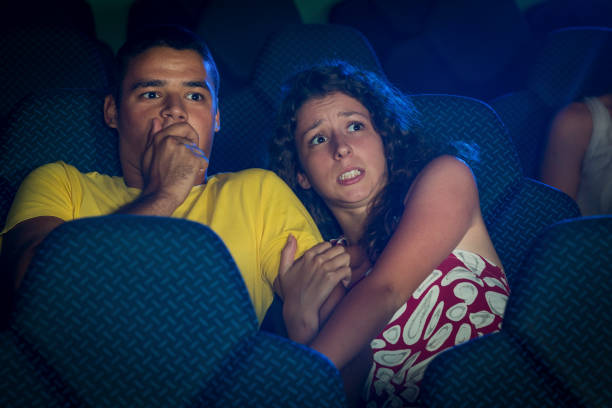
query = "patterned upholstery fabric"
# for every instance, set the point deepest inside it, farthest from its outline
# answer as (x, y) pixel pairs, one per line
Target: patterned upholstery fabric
(247, 122)
(280, 373)
(456, 118)
(490, 372)
(553, 349)
(518, 222)
(51, 57)
(23, 383)
(561, 306)
(248, 117)
(52, 125)
(298, 47)
(527, 119)
(515, 209)
(152, 311)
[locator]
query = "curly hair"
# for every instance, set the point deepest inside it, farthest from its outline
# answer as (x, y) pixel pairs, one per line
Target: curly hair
(394, 118)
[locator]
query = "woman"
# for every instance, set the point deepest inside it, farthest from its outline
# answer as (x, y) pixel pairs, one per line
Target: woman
(350, 147)
(578, 155)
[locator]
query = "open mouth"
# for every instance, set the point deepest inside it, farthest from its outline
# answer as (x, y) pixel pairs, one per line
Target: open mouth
(350, 176)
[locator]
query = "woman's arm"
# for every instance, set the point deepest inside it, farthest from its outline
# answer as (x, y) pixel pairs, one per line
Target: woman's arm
(440, 207)
(569, 137)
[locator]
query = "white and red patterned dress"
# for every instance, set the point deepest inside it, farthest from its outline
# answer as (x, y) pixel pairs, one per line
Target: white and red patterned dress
(465, 297)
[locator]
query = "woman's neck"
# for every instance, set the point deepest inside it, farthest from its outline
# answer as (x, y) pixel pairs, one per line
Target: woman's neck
(352, 223)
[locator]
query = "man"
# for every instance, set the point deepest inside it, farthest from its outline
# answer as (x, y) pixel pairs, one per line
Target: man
(165, 110)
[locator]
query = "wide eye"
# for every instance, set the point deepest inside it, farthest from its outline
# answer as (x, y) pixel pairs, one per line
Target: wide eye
(318, 139)
(195, 96)
(355, 126)
(149, 95)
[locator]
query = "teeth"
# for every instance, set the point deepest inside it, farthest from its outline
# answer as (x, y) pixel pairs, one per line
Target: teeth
(350, 174)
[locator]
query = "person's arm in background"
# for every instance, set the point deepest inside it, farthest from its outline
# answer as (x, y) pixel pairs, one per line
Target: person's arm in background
(569, 137)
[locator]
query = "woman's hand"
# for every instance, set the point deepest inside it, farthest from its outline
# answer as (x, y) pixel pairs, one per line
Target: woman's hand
(306, 284)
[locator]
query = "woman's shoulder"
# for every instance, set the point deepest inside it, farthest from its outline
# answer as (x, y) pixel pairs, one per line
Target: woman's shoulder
(574, 117)
(445, 168)
(444, 176)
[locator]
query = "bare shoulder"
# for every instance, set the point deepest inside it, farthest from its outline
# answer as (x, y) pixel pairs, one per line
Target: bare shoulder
(447, 169)
(447, 162)
(445, 176)
(573, 120)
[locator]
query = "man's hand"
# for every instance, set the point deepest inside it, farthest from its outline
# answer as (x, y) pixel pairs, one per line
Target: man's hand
(169, 168)
(306, 284)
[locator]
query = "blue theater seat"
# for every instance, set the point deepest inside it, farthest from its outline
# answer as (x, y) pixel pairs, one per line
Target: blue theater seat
(515, 208)
(553, 349)
(149, 311)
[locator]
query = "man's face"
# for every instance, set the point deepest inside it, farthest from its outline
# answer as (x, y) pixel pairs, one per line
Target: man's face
(166, 86)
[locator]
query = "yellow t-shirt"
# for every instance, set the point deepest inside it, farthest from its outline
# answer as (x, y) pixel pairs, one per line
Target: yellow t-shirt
(253, 211)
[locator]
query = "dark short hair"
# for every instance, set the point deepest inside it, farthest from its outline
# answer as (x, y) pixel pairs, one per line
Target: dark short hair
(168, 35)
(395, 119)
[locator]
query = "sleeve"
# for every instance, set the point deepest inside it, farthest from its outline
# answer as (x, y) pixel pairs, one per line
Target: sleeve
(46, 191)
(283, 214)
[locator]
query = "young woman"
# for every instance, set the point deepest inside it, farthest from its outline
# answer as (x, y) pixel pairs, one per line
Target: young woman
(425, 273)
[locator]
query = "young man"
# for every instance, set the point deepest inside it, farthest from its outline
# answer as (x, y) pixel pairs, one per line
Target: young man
(165, 110)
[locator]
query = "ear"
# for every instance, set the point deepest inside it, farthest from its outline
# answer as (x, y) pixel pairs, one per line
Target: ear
(303, 181)
(110, 111)
(217, 121)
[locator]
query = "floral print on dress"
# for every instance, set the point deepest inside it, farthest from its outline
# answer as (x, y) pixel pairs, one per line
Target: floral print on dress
(464, 298)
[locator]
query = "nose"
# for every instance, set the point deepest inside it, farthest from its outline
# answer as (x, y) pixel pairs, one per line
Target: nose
(173, 109)
(341, 148)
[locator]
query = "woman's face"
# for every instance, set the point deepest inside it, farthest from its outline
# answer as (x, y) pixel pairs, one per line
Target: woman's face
(341, 154)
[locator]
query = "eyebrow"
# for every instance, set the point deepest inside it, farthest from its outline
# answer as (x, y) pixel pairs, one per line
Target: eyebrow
(351, 113)
(156, 83)
(340, 114)
(314, 125)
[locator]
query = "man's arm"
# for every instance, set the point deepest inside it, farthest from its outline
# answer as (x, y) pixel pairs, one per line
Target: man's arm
(18, 247)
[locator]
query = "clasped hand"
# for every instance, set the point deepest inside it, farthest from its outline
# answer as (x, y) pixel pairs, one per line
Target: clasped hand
(168, 166)
(306, 284)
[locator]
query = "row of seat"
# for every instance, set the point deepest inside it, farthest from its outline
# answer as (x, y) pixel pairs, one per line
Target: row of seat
(118, 307)
(571, 63)
(126, 311)
(108, 304)
(144, 321)
(552, 350)
(226, 365)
